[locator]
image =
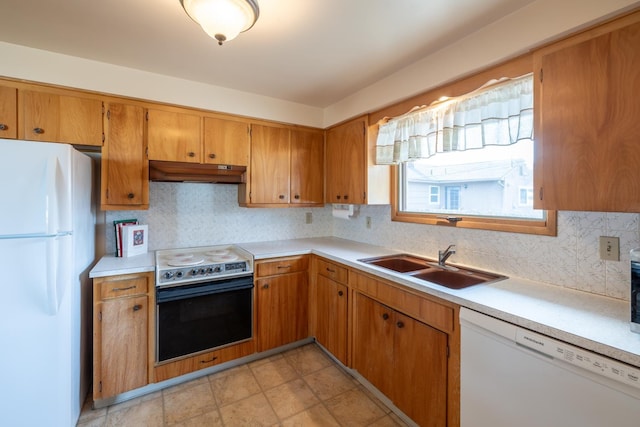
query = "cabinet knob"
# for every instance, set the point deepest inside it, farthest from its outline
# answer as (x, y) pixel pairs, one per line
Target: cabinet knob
(137, 307)
(297, 196)
(191, 154)
(212, 156)
(39, 131)
(385, 316)
(400, 324)
(281, 197)
(338, 197)
(340, 293)
(130, 196)
(265, 286)
(3, 126)
(346, 197)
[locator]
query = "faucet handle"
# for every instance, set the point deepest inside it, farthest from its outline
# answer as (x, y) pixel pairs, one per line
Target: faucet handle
(451, 248)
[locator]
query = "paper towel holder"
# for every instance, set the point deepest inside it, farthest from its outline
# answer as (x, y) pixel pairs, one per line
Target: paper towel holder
(345, 211)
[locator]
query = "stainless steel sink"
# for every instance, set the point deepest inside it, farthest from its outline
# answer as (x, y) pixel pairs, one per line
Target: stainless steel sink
(453, 277)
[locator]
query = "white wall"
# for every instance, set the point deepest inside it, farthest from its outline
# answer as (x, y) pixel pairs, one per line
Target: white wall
(48, 67)
(514, 34)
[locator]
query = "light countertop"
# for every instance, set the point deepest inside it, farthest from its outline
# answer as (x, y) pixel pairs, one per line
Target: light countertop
(594, 322)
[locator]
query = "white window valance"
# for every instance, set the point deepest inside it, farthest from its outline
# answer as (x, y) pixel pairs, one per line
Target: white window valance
(499, 113)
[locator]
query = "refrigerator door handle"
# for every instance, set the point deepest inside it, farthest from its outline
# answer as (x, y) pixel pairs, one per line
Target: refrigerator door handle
(52, 192)
(53, 296)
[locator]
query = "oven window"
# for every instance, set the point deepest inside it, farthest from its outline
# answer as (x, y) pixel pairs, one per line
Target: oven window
(203, 322)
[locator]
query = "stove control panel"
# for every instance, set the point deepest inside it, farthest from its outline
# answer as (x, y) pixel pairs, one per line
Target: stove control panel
(177, 275)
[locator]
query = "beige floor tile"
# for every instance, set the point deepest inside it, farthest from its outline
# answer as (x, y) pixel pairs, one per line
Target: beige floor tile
(273, 373)
(308, 359)
(317, 416)
(185, 385)
(148, 413)
(233, 386)
(208, 419)
(387, 421)
(188, 403)
(354, 408)
(93, 422)
(329, 382)
(88, 414)
(265, 360)
(252, 411)
(290, 398)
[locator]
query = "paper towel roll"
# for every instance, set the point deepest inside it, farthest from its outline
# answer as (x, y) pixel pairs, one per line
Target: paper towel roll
(342, 211)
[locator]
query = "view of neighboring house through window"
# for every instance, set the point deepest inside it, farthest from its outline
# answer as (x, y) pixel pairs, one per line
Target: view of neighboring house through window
(470, 156)
(492, 181)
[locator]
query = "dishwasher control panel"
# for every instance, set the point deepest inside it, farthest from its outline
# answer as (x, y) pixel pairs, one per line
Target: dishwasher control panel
(580, 358)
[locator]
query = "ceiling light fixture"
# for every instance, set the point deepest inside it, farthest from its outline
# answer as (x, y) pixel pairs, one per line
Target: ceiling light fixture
(223, 20)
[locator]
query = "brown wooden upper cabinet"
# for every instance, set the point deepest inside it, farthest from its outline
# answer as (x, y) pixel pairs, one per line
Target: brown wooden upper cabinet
(226, 142)
(173, 136)
(125, 168)
(588, 120)
(51, 117)
(346, 162)
(8, 112)
(286, 166)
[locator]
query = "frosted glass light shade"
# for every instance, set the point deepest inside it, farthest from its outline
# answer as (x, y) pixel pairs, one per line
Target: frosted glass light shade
(223, 19)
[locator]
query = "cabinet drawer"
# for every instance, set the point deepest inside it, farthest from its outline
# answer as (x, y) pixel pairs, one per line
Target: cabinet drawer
(282, 266)
(333, 271)
(124, 286)
(202, 361)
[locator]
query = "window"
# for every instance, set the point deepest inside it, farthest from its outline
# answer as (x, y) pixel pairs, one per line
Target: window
(477, 150)
(434, 195)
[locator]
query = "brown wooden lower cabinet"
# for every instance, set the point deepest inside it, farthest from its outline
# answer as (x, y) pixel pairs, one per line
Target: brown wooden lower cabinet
(331, 316)
(122, 333)
(405, 359)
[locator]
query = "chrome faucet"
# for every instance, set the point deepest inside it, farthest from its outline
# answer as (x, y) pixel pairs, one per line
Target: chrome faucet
(444, 255)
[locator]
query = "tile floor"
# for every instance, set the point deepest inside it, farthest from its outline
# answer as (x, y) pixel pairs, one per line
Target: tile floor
(301, 387)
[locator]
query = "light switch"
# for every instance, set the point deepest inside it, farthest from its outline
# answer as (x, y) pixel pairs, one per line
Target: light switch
(609, 248)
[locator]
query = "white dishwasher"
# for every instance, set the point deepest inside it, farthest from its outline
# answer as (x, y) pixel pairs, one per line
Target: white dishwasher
(512, 377)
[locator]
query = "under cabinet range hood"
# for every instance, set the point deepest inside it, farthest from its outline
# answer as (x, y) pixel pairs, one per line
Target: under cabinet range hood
(196, 172)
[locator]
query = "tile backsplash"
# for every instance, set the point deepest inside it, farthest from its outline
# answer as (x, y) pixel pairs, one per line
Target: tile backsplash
(571, 259)
(189, 214)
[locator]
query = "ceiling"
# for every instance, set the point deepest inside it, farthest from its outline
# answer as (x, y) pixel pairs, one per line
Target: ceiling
(312, 52)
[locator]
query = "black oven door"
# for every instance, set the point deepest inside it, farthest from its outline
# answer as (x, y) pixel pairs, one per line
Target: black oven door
(196, 317)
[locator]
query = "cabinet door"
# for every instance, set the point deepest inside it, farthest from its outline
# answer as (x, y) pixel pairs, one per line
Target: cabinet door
(80, 121)
(125, 168)
(307, 167)
(61, 118)
(226, 142)
(346, 163)
(269, 164)
(588, 114)
(331, 317)
(123, 349)
(40, 116)
(282, 309)
(8, 112)
(373, 343)
(419, 372)
(173, 136)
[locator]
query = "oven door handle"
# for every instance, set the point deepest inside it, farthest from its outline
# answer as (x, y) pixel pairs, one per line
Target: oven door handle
(190, 291)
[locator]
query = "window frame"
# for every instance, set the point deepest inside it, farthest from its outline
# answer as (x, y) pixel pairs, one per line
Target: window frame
(512, 68)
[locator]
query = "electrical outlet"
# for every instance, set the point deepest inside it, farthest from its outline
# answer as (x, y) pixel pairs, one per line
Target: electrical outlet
(368, 221)
(308, 218)
(609, 248)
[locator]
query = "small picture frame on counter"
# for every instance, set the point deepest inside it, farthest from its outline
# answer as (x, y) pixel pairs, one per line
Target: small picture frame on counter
(135, 239)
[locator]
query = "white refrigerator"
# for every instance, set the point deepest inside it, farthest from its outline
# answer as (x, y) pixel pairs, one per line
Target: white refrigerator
(47, 246)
